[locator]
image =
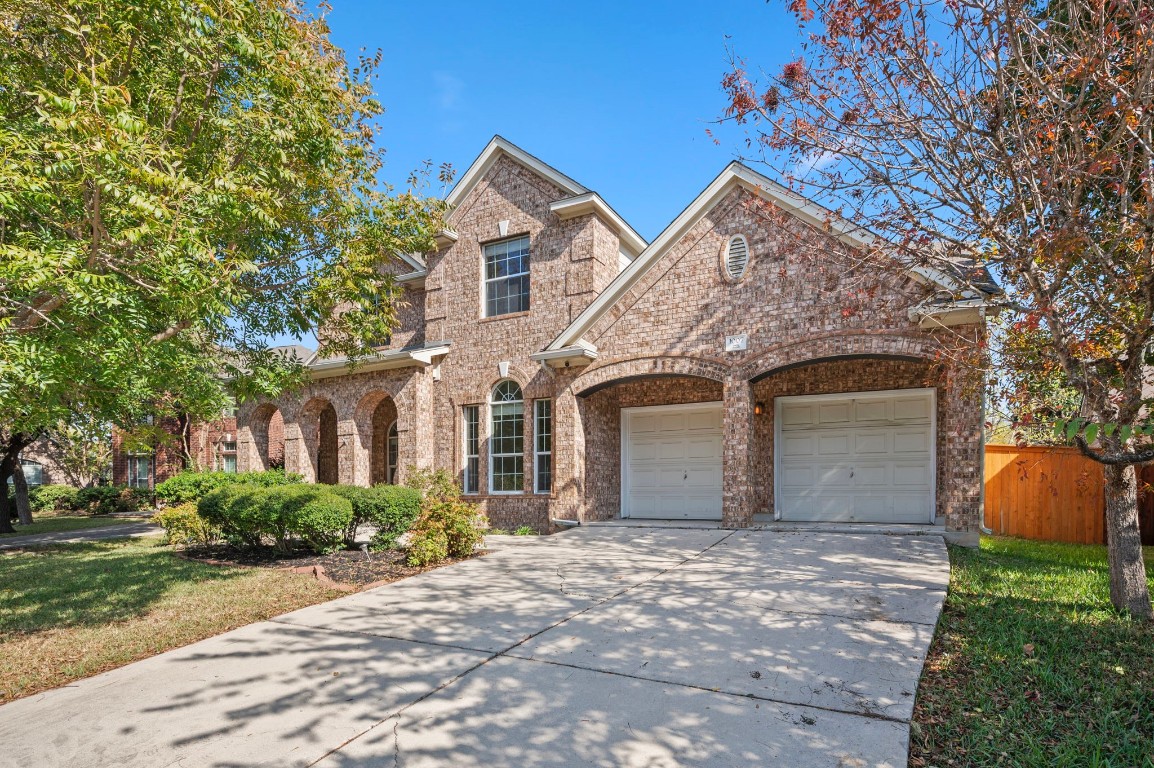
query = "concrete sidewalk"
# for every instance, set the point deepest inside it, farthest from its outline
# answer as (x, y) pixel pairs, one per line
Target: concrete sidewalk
(598, 646)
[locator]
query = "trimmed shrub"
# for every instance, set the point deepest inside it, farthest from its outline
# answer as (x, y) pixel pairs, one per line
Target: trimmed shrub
(249, 515)
(49, 498)
(460, 524)
(193, 486)
(182, 525)
(107, 499)
(437, 484)
(391, 509)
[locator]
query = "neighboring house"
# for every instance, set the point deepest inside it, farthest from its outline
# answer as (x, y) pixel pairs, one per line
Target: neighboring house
(564, 369)
(41, 465)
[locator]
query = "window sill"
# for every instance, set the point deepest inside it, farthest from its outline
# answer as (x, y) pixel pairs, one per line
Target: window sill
(509, 316)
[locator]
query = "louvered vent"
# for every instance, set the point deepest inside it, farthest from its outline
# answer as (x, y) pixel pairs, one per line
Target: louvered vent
(737, 258)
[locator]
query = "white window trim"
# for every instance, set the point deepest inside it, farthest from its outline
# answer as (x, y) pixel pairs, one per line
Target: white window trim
(476, 409)
(485, 280)
(492, 464)
(392, 462)
(537, 452)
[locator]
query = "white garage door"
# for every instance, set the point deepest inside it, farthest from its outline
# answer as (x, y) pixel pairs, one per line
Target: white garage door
(860, 457)
(671, 462)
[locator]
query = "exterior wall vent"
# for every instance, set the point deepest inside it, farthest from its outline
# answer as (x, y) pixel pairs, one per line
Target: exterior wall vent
(736, 257)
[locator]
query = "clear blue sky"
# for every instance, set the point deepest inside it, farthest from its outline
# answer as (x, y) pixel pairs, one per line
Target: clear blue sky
(615, 94)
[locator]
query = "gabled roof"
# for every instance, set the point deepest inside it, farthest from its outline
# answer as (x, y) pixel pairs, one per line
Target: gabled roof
(578, 200)
(734, 176)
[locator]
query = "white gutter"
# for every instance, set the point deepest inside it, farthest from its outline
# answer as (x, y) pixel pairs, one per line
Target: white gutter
(578, 354)
(421, 357)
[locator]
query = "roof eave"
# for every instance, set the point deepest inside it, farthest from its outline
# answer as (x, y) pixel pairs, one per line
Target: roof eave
(419, 357)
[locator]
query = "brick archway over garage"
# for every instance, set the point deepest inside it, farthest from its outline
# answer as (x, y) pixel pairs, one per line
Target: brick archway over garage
(600, 377)
(840, 346)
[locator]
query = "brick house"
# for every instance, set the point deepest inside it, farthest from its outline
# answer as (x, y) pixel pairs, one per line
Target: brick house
(738, 368)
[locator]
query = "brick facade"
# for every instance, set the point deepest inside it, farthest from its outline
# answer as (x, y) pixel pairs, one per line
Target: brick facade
(206, 443)
(815, 323)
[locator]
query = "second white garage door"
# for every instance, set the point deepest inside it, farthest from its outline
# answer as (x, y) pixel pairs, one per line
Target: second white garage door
(671, 462)
(860, 457)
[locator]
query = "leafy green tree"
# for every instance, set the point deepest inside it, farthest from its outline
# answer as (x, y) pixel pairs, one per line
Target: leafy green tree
(179, 182)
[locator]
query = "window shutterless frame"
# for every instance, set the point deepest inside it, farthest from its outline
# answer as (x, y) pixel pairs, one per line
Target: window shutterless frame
(506, 277)
(507, 439)
(471, 416)
(543, 446)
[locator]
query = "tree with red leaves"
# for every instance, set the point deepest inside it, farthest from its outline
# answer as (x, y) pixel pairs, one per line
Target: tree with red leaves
(1016, 132)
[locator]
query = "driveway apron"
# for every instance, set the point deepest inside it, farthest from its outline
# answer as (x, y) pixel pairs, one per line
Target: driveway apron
(600, 646)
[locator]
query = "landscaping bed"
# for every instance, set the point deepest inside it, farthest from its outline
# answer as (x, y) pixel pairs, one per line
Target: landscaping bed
(354, 568)
(1030, 665)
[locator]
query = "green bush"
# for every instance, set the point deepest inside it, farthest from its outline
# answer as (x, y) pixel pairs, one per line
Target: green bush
(391, 509)
(460, 525)
(437, 484)
(312, 515)
(525, 530)
(107, 499)
(427, 547)
(193, 486)
(49, 498)
(182, 525)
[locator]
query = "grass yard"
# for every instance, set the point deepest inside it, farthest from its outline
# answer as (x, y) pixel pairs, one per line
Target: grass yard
(47, 522)
(1032, 667)
(73, 610)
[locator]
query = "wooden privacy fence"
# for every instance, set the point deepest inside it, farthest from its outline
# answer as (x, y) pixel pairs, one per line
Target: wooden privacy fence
(1053, 494)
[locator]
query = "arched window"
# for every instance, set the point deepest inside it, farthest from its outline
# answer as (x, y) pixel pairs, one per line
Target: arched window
(391, 444)
(736, 257)
(507, 439)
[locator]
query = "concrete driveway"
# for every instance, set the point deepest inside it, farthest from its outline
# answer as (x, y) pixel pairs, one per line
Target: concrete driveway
(601, 646)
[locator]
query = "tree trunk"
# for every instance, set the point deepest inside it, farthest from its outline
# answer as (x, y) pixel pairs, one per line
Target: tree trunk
(23, 507)
(1129, 590)
(5, 501)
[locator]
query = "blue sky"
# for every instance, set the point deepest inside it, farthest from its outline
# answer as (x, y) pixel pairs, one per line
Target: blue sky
(615, 94)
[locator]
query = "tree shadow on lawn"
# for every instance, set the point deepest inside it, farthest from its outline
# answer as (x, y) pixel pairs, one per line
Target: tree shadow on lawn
(92, 583)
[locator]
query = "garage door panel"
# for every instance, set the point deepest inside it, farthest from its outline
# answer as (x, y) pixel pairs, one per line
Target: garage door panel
(871, 474)
(797, 415)
(871, 441)
(833, 445)
(704, 448)
(912, 441)
(920, 474)
(673, 470)
(871, 410)
(833, 413)
(876, 466)
(797, 445)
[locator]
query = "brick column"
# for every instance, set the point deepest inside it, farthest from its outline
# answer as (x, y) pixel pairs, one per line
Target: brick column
(415, 423)
(964, 473)
(296, 456)
(737, 443)
(350, 455)
(568, 502)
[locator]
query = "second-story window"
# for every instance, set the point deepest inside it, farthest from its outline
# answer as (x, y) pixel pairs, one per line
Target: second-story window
(507, 276)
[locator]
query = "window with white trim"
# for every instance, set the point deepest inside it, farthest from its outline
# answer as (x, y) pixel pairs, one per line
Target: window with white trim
(33, 472)
(139, 469)
(507, 276)
(226, 456)
(392, 444)
(507, 439)
(543, 446)
(472, 419)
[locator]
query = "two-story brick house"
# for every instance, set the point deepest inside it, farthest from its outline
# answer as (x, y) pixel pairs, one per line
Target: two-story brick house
(565, 369)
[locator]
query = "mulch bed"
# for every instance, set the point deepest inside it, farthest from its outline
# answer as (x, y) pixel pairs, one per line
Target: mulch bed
(350, 570)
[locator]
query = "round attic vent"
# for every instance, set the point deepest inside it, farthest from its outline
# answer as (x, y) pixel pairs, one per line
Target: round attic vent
(736, 257)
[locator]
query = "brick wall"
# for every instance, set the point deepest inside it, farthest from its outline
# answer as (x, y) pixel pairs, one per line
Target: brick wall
(168, 458)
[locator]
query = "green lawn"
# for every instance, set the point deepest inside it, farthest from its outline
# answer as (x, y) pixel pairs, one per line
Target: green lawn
(1031, 666)
(53, 524)
(73, 610)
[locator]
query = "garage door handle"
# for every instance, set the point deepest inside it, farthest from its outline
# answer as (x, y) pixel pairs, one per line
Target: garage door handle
(686, 476)
(851, 471)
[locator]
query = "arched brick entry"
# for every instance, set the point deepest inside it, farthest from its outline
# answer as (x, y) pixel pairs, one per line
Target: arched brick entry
(383, 459)
(596, 378)
(266, 427)
(317, 427)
